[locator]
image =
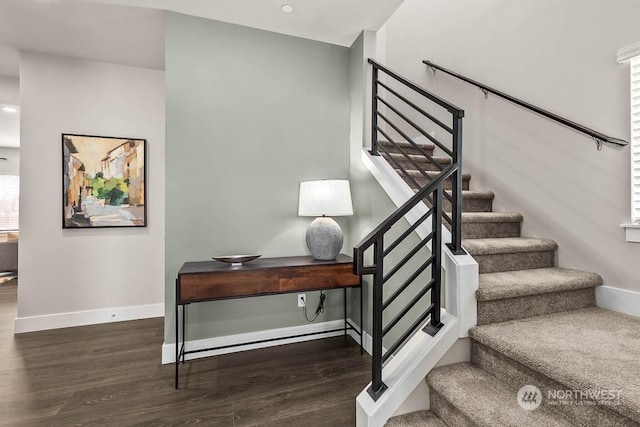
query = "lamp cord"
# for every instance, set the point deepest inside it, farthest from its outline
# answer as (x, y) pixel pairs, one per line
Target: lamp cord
(319, 310)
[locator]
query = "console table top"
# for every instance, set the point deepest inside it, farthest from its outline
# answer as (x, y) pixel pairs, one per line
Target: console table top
(259, 264)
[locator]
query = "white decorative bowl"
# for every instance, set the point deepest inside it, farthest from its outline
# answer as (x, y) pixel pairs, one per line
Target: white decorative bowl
(236, 260)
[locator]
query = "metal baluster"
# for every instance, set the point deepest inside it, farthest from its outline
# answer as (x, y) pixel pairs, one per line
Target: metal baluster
(436, 267)
(456, 187)
(377, 386)
(374, 112)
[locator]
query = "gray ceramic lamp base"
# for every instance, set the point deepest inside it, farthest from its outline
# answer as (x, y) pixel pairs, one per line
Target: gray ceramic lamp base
(324, 238)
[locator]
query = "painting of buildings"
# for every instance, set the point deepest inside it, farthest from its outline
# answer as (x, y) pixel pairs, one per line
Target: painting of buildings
(103, 182)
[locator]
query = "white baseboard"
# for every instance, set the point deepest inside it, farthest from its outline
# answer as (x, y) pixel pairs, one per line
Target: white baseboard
(616, 299)
(169, 350)
(89, 317)
(367, 341)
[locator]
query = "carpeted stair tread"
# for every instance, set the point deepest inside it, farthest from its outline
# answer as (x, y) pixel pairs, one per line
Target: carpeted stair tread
(407, 147)
(508, 245)
(424, 178)
(589, 349)
(519, 283)
(475, 217)
(419, 158)
(485, 400)
(481, 225)
(416, 419)
(470, 194)
(432, 174)
(487, 195)
(472, 201)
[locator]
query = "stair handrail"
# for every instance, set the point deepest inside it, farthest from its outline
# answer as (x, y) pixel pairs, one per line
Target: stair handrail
(598, 137)
(433, 193)
(422, 91)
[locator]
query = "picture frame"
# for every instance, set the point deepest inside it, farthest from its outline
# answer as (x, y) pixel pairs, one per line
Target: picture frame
(104, 181)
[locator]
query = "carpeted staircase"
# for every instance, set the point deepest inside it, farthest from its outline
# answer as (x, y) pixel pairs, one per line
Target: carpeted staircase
(537, 325)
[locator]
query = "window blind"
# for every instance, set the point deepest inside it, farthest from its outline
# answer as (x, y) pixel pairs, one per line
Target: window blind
(9, 202)
(635, 139)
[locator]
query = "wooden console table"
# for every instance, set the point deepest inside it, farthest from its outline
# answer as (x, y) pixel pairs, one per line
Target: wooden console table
(213, 280)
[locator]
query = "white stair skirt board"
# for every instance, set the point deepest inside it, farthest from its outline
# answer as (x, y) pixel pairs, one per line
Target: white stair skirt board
(169, 350)
(620, 300)
(418, 400)
(404, 372)
(89, 317)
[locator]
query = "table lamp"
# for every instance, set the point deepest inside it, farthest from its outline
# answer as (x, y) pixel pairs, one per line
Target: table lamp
(324, 199)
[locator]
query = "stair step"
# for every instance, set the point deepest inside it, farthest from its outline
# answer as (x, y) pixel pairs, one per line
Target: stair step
(416, 160)
(472, 201)
(480, 225)
(513, 253)
(586, 350)
(515, 375)
(464, 395)
(527, 293)
(416, 419)
(408, 147)
(507, 309)
(512, 284)
(422, 181)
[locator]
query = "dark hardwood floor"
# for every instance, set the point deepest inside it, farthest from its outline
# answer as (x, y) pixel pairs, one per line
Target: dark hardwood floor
(111, 375)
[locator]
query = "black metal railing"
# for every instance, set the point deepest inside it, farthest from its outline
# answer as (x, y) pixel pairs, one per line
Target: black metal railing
(598, 137)
(401, 125)
(432, 190)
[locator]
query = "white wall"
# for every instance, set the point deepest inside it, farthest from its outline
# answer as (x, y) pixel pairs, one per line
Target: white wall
(560, 55)
(9, 122)
(9, 90)
(64, 273)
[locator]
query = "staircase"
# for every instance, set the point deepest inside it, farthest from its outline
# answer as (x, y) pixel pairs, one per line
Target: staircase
(537, 325)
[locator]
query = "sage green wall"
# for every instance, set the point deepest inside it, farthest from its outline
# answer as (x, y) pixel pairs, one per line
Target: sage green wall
(250, 114)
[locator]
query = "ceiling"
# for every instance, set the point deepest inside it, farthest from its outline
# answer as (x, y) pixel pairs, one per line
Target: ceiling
(131, 32)
(332, 21)
(80, 29)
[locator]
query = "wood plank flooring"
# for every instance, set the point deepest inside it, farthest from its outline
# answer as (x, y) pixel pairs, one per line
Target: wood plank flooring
(111, 375)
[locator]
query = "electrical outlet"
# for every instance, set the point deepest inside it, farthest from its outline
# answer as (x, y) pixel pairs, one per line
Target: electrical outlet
(302, 299)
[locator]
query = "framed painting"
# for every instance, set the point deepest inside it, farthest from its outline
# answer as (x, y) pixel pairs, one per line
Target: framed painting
(103, 182)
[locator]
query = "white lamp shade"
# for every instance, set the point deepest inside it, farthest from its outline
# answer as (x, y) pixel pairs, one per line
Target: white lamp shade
(329, 197)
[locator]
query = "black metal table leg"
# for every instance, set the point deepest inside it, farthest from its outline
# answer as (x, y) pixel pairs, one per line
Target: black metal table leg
(361, 324)
(177, 342)
(184, 335)
(345, 310)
